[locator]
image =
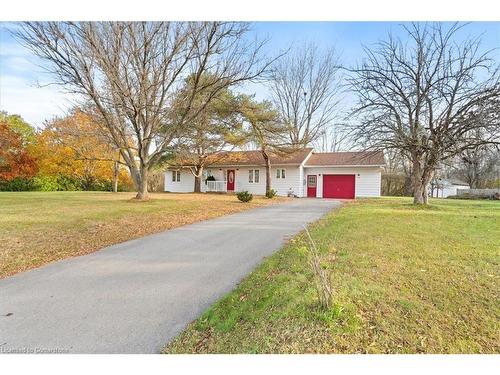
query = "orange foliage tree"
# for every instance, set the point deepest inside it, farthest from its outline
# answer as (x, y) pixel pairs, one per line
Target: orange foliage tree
(74, 146)
(15, 159)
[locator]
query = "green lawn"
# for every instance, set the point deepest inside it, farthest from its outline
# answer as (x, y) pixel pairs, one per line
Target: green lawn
(40, 227)
(407, 280)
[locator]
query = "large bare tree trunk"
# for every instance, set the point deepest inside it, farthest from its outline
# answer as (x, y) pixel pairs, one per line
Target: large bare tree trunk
(142, 184)
(268, 171)
(421, 179)
(425, 197)
(197, 179)
(197, 184)
(426, 180)
(418, 196)
(420, 193)
(116, 171)
(418, 186)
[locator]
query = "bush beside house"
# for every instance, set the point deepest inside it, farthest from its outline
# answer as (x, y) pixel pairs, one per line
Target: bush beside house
(244, 196)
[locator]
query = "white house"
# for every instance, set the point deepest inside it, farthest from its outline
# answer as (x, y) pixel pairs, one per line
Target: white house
(443, 188)
(304, 173)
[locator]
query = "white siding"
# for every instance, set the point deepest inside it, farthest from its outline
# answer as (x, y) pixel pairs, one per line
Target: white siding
(242, 183)
(290, 182)
(302, 182)
(368, 179)
(281, 185)
(185, 185)
(449, 190)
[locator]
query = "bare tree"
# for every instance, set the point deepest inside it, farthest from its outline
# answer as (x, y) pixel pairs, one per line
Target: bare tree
(130, 71)
(334, 138)
(304, 86)
(476, 166)
(423, 96)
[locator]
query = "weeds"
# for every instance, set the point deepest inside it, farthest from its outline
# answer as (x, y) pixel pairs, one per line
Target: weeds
(322, 274)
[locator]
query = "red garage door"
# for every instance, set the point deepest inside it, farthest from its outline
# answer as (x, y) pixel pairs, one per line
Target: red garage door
(338, 186)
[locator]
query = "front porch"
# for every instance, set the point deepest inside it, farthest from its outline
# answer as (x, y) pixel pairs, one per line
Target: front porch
(216, 186)
(217, 180)
(220, 181)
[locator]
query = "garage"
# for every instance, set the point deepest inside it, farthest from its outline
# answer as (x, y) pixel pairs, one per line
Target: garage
(342, 186)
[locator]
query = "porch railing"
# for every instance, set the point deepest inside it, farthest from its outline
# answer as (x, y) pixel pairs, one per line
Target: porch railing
(217, 186)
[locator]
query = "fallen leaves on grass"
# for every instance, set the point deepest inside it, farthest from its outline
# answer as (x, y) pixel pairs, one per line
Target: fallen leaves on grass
(44, 227)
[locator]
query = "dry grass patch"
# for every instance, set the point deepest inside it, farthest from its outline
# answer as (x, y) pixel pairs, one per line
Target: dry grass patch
(40, 227)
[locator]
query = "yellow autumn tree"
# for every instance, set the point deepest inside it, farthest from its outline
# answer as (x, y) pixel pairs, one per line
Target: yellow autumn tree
(74, 147)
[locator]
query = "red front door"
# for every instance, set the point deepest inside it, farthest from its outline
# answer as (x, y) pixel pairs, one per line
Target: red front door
(311, 186)
(230, 180)
(339, 186)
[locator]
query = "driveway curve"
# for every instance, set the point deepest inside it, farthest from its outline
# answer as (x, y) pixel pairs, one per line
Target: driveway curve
(136, 296)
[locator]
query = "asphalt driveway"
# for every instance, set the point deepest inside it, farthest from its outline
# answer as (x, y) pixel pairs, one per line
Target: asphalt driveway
(136, 296)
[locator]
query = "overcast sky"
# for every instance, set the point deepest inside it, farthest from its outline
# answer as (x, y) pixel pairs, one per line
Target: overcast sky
(21, 77)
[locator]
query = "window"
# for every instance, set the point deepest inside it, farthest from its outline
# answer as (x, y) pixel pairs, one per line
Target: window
(280, 173)
(176, 176)
(311, 181)
(253, 176)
